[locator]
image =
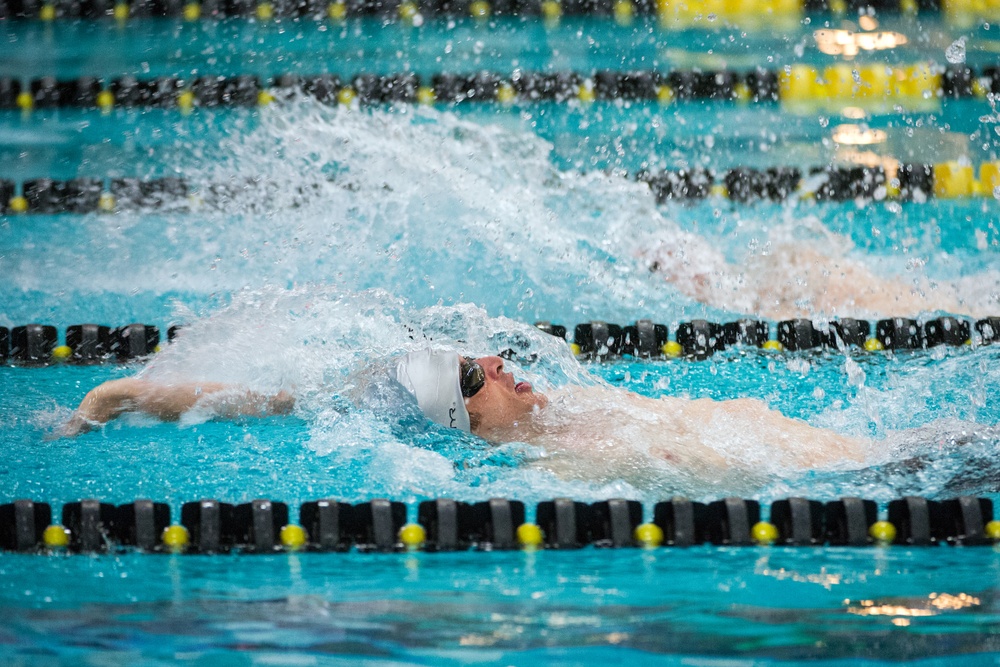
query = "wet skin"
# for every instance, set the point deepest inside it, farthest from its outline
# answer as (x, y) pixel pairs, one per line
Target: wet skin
(499, 406)
(169, 401)
(502, 403)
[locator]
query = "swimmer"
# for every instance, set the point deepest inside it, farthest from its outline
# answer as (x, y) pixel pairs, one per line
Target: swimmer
(595, 433)
(798, 280)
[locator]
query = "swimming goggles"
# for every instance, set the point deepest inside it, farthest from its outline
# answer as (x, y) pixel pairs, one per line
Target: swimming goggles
(471, 377)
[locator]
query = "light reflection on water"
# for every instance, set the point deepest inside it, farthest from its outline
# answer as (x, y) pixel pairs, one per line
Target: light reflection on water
(788, 604)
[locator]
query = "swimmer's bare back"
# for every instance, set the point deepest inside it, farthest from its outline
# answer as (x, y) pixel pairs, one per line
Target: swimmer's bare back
(169, 401)
(798, 281)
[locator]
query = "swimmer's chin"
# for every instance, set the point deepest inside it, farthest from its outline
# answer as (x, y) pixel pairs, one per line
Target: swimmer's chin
(523, 430)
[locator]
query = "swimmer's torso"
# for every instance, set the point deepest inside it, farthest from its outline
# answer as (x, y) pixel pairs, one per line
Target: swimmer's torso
(681, 445)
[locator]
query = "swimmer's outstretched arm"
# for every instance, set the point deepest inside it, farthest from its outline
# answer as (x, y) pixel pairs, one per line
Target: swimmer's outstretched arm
(169, 401)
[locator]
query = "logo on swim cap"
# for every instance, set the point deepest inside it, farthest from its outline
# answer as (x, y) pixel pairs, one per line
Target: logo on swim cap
(432, 377)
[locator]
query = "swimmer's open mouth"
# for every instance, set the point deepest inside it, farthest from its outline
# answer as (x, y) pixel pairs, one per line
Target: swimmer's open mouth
(522, 387)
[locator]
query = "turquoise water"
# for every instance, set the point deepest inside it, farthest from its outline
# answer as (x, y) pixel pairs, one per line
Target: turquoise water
(502, 608)
(376, 224)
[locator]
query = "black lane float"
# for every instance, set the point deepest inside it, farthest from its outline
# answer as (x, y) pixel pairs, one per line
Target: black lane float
(699, 339)
(262, 526)
(802, 85)
(550, 10)
(38, 344)
(744, 185)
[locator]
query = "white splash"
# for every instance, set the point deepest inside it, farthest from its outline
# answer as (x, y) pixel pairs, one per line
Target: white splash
(444, 210)
(327, 347)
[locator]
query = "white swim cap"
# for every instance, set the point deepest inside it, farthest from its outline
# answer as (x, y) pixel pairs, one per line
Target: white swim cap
(432, 377)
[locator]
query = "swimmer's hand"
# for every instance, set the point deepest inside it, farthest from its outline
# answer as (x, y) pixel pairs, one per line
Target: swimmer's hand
(76, 425)
(101, 404)
(281, 403)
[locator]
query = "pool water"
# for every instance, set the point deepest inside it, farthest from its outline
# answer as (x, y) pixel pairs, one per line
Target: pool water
(374, 224)
(933, 604)
(709, 606)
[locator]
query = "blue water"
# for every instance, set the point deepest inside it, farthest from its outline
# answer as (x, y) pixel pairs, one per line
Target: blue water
(503, 608)
(526, 212)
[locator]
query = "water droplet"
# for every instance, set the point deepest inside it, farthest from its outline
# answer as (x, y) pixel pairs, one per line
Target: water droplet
(955, 54)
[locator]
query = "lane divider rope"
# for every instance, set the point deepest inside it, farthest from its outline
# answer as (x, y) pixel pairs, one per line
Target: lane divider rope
(669, 12)
(744, 185)
(38, 344)
(878, 87)
(262, 526)
(700, 339)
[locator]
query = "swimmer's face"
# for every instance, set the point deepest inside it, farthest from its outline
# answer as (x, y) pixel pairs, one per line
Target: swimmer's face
(501, 402)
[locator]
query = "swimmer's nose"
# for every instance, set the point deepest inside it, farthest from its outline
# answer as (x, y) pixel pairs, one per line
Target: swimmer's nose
(492, 365)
